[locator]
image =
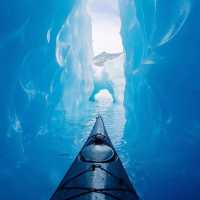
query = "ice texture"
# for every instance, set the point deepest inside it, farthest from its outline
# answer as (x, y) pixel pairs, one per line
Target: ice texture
(161, 41)
(49, 73)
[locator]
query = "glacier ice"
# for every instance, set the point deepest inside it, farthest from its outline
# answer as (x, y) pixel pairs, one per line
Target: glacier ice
(74, 52)
(49, 70)
(160, 41)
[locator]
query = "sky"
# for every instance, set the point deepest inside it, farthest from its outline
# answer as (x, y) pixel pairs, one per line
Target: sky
(106, 26)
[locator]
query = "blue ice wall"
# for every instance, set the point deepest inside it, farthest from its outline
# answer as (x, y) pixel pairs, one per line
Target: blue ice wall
(74, 53)
(162, 43)
(30, 90)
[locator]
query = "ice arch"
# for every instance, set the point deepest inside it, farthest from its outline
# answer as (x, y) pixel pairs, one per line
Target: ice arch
(107, 47)
(104, 96)
(104, 85)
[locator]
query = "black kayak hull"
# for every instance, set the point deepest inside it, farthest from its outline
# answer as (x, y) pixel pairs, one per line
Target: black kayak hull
(97, 172)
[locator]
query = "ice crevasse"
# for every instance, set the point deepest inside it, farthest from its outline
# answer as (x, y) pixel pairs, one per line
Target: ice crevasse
(47, 81)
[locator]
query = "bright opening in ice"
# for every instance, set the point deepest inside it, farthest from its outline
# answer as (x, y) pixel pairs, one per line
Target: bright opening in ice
(104, 96)
(106, 26)
(108, 61)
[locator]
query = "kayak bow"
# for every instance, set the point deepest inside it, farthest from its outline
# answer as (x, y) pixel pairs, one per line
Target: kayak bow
(97, 172)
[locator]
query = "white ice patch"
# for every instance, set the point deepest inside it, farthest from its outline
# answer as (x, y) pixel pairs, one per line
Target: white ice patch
(62, 51)
(104, 96)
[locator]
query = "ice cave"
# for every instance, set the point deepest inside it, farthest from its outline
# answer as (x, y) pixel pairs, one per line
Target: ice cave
(135, 62)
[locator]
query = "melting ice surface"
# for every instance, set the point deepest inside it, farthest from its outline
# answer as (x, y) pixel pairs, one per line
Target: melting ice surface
(133, 61)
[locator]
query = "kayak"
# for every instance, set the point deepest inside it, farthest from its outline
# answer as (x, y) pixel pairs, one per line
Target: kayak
(97, 172)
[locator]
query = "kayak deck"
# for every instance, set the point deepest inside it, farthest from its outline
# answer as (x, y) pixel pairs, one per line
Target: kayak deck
(97, 172)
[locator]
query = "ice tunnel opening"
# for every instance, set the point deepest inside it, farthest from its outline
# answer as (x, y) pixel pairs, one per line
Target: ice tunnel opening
(106, 25)
(104, 96)
(89, 51)
(108, 60)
